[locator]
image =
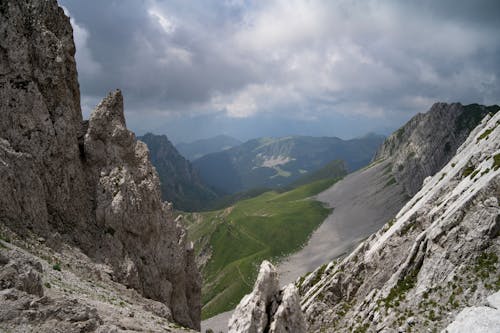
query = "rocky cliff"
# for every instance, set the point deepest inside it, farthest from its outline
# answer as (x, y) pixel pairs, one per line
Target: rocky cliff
(86, 184)
(180, 183)
(438, 256)
(428, 141)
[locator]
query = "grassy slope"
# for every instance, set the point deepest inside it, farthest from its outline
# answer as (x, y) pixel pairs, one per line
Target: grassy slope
(268, 226)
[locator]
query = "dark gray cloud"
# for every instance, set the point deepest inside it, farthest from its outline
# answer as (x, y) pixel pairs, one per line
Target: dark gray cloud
(324, 64)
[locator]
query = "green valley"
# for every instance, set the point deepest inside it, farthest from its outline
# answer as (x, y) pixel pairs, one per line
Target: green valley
(230, 243)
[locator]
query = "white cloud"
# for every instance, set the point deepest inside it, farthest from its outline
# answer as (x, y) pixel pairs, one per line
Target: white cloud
(166, 24)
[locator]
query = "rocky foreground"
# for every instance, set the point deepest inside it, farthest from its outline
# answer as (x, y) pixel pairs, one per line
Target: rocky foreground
(83, 187)
(439, 255)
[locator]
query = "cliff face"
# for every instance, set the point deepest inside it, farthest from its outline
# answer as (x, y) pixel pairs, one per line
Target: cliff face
(428, 141)
(88, 184)
(180, 183)
(439, 255)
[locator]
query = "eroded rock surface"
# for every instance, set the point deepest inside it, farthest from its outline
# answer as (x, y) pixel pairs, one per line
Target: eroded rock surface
(438, 256)
(87, 184)
(429, 140)
(267, 308)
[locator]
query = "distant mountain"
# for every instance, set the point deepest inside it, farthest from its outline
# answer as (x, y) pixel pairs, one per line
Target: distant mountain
(199, 148)
(277, 162)
(180, 183)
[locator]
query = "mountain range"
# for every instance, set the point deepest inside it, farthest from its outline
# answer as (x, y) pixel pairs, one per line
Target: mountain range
(278, 162)
(407, 243)
(196, 149)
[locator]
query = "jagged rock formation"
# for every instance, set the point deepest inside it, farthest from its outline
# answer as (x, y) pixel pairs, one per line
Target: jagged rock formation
(428, 141)
(267, 308)
(89, 184)
(180, 183)
(439, 255)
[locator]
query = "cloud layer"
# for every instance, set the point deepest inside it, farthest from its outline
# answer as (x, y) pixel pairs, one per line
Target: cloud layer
(311, 61)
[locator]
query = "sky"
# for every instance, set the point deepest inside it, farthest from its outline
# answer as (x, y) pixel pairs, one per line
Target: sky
(195, 69)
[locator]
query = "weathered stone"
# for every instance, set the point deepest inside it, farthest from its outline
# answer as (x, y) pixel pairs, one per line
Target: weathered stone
(428, 141)
(267, 308)
(436, 257)
(90, 184)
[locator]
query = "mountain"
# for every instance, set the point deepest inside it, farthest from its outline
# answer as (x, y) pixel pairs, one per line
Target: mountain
(413, 154)
(277, 162)
(366, 200)
(180, 183)
(196, 149)
(438, 256)
(86, 239)
(433, 267)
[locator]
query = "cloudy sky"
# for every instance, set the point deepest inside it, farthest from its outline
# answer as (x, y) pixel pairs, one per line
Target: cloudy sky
(193, 69)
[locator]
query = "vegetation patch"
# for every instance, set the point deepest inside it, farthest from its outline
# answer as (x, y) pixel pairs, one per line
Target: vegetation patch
(496, 162)
(397, 294)
(467, 171)
(485, 264)
(472, 175)
(269, 226)
(319, 274)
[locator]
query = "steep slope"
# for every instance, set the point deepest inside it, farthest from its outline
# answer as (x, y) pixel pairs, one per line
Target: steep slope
(180, 183)
(437, 256)
(85, 183)
(365, 200)
(277, 162)
(196, 149)
(427, 142)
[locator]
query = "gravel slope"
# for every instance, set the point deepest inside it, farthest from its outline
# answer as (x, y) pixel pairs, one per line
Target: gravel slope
(363, 202)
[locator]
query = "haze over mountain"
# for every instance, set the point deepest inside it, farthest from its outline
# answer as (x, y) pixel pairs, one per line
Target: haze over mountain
(196, 149)
(277, 162)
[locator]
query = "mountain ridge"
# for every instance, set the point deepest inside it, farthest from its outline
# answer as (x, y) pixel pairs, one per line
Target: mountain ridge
(198, 148)
(277, 162)
(180, 183)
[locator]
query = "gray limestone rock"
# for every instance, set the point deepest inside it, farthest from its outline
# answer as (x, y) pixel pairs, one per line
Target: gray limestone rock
(267, 308)
(438, 256)
(429, 140)
(85, 183)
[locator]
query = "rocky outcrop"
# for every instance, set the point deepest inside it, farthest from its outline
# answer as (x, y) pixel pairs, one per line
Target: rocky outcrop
(267, 308)
(88, 184)
(438, 256)
(428, 141)
(478, 319)
(180, 182)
